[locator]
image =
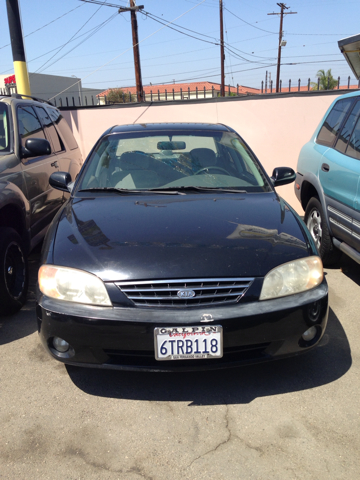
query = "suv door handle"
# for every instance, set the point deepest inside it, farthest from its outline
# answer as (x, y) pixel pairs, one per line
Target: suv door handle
(325, 167)
(54, 164)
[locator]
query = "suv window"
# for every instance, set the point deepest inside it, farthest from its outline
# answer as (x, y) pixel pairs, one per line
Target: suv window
(50, 130)
(29, 124)
(63, 127)
(353, 148)
(4, 129)
(342, 143)
(333, 122)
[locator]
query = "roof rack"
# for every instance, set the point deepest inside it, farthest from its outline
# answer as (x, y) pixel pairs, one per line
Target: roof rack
(20, 96)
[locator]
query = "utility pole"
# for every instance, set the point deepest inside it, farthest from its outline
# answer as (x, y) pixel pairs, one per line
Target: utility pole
(222, 53)
(266, 80)
(282, 7)
(17, 46)
(134, 26)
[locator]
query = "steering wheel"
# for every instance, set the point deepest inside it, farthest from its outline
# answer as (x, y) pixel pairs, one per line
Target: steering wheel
(213, 168)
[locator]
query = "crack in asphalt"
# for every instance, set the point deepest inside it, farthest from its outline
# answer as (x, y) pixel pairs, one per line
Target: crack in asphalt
(227, 440)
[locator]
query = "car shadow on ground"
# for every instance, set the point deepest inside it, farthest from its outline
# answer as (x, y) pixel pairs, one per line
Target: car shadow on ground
(241, 385)
(348, 267)
(23, 323)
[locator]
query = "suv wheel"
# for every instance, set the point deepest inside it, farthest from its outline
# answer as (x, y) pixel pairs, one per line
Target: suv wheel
(315, 221)
(14, 275)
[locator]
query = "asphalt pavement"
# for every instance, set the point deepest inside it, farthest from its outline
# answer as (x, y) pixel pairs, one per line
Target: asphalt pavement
(291, 419)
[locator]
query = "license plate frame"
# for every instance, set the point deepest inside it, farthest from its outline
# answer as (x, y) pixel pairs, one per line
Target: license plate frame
(188, 342)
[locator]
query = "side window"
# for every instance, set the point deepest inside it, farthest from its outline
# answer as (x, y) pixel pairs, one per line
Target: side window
(63, 128)
(353, 148)
(333, 122)
(50, 130)
(29, 125)
(4, 129)
(347, 129)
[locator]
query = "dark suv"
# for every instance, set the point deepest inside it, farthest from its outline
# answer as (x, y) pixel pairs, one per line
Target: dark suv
(35, 141)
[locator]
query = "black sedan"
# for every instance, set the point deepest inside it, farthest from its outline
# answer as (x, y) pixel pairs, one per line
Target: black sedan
(174, 252)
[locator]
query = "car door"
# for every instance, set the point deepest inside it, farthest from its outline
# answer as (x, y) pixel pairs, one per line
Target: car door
(44, 200)
(340, 177)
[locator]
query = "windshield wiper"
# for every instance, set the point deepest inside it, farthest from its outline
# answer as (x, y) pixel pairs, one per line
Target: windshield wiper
(125, 191)
(201, 189)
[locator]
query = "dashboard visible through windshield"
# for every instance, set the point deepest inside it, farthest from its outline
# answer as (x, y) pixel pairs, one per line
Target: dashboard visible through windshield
(135, 161)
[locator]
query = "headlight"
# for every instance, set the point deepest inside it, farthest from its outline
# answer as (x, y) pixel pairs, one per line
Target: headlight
(72, 285)
(292, 277)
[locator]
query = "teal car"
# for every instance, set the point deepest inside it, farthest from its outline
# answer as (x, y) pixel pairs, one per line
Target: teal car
(328, 181)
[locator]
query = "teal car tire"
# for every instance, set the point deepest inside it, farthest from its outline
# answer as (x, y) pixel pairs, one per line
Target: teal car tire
(315, 221)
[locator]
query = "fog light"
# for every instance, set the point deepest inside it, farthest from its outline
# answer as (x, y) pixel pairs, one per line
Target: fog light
(310, 334)
(60, 345)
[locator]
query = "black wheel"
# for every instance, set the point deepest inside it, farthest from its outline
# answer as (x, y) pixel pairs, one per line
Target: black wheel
(315, 221)
(14, 275)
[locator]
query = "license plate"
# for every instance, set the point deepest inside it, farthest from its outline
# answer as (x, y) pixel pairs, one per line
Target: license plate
(184, 343)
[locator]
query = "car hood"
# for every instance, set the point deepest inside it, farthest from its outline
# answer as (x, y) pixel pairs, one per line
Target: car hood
(184, 236)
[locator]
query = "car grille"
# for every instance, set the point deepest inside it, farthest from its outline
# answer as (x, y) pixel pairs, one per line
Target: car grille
(185, 293)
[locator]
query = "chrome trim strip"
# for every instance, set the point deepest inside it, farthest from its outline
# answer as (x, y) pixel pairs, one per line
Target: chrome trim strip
(192, 280)
(340, 214)
(229, 287)
(200, 297)
(340, 225)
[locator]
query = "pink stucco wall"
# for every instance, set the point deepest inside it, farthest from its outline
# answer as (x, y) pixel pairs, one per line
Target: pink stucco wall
(275, 127)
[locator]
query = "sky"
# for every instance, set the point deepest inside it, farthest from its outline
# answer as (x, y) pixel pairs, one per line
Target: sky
(94, 42)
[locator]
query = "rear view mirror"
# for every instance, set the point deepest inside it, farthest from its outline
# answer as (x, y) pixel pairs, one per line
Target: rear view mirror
(60, 181)
(171, 145)
(36, 147)
(282, 176)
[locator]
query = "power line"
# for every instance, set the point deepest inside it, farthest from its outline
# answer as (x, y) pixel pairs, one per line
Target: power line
(176, 30)
(46, 25)
(87, 21)
(117, 56)
(303, 34)
(98, 28)
(247, 23)
(217, 74)
(153, 17)
(149, 15)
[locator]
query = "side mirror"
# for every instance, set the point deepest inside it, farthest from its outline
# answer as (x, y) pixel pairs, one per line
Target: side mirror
(282, 176)
(36, 147)
(60, 181)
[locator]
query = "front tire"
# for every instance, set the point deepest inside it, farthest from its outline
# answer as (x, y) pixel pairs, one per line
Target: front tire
(316, 223)
(14, 275)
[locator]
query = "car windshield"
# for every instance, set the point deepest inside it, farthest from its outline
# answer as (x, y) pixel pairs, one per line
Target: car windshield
(4, 129)
(175, 160)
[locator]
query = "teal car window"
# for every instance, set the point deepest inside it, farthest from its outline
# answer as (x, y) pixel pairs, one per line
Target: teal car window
(347, 129)
(353, 149)
(333, 122)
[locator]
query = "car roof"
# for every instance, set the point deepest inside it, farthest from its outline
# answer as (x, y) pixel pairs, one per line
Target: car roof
(15, 98)
(351, 94)
(142, 127)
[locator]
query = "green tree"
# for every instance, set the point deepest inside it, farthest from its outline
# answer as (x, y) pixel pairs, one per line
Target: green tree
(116, 95)
(327, 81)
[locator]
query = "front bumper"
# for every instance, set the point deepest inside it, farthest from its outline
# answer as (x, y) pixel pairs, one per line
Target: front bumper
(123, 338)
